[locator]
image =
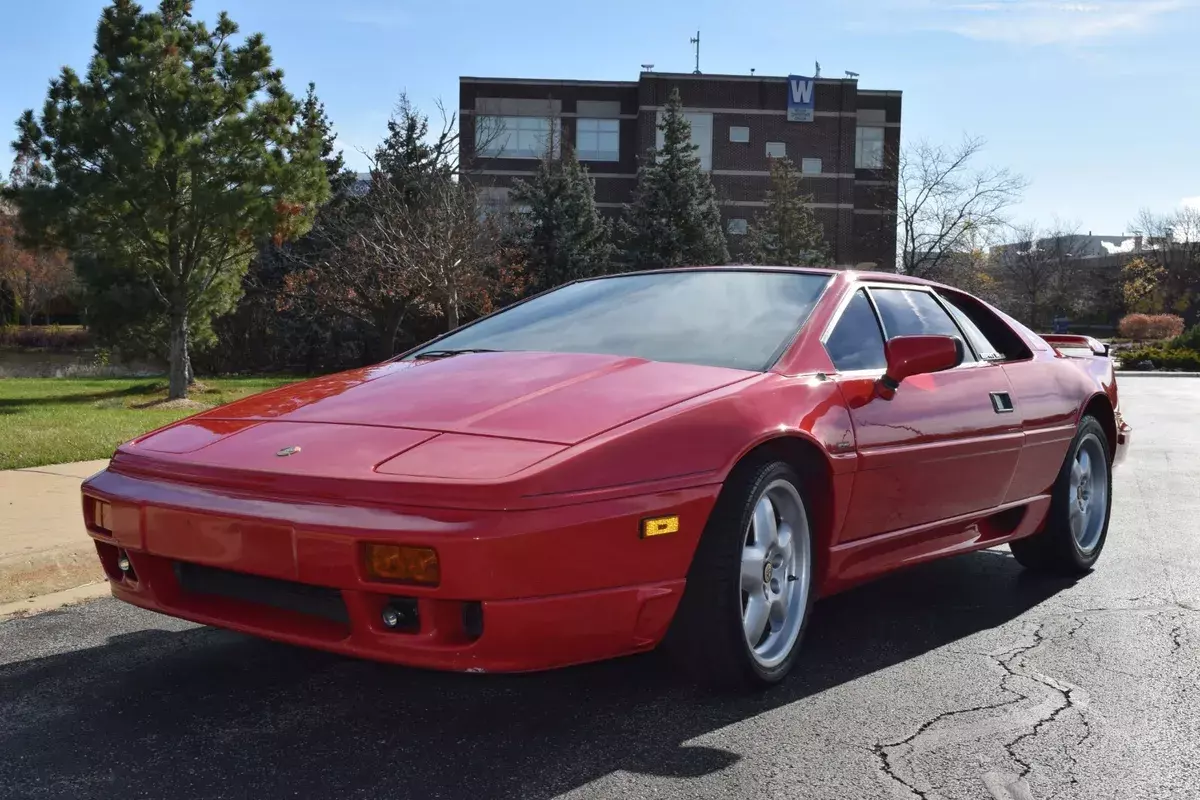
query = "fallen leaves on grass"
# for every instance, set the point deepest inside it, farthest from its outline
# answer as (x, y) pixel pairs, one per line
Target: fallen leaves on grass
(181, 402)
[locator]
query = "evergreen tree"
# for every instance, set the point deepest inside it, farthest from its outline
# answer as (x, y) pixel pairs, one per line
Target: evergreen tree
(409, 158)
(170, 162)
(786, 233)
(674, 219)
(409, 248)
(315, 122)
(561, 236)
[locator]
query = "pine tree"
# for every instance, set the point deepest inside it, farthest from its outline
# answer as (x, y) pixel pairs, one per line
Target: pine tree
(674, 219)
(314, 119)
(409, 157)
(170, 162)
(560, 234)
(786, 233)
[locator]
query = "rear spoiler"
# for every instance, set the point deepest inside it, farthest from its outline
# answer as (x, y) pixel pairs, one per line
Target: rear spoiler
(1071, 341)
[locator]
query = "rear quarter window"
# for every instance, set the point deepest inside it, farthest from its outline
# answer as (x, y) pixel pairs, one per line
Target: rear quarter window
(1005, 341)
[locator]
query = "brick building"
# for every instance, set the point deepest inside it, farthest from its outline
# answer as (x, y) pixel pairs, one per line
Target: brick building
(846, 151)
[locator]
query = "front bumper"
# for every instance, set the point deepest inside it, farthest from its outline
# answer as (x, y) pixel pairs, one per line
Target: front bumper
(551, 587)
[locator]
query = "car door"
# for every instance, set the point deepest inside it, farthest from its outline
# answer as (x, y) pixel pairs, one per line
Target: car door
(946, 444)
(1048, 409)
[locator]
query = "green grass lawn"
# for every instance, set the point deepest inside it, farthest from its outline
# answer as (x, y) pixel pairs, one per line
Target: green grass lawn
(55, 420)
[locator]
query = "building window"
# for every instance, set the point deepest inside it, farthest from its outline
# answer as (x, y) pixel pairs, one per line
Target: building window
(702, 135)
(776, 150)
(737, 227)
(739, 133)
(492, 200)
(598, 139)
(868, 148)
(515, 137)
(810, 166)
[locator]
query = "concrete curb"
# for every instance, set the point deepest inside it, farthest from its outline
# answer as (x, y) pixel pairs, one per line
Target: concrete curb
(44, 547)
(28, 575)
(1149, 373)
(49, 602)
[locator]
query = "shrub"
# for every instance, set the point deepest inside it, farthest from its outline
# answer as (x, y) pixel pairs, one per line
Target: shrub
(44, 337)
(1143, 327)
(1188, 340)
(1165, 326)
(1169, 358)
(1134, 326)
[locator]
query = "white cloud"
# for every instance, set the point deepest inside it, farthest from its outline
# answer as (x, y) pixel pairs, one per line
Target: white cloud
(1040, 22)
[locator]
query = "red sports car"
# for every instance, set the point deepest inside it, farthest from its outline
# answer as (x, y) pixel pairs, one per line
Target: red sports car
(689, 456)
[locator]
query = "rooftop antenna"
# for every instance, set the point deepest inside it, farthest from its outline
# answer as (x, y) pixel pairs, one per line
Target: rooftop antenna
(647, 67)
(852, 75)
(752, 70)
(696, 41)
(818, 70)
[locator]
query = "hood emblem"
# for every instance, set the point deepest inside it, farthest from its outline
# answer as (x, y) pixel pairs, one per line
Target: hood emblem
(289, 451)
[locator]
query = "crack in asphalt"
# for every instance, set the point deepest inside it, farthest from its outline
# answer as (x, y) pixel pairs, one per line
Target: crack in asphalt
(1177, 638)
(1008, 661)
(1178, 633)
(881, 750)
(1069, 752)
(1065, 693)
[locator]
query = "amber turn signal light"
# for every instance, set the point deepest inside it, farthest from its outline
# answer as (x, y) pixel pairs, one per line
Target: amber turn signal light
(395, 562)
(101, 516)
(659, 526)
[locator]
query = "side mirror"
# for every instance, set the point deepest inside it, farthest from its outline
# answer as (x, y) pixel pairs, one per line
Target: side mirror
(917, 355)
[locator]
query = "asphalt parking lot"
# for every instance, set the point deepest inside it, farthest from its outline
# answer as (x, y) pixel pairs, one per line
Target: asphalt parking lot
(961, 679)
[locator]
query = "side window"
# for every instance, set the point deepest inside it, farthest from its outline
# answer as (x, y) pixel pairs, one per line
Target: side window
(1000, 336)
(979, 341)
(908, 313)
(856, 341)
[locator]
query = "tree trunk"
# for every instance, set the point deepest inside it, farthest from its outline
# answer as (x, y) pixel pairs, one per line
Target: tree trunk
(27, 304)
(180, 366)
(452, 309)
(388, 326)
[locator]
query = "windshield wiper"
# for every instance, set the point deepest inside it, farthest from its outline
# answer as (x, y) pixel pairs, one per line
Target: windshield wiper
(448, 353)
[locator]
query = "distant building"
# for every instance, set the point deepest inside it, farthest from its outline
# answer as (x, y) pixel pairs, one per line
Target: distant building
(1086, 247)
(842, 138)
(1095, 264)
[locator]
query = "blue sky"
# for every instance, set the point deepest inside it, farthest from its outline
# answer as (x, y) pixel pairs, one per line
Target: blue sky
(1096, 102)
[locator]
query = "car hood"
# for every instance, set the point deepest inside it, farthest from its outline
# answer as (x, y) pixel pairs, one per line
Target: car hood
(561, 398)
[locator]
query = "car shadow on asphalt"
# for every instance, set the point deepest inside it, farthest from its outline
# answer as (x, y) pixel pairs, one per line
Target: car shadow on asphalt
(207, 713)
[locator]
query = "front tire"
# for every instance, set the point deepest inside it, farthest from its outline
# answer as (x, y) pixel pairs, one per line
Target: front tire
(1081, 503)
(750, 588)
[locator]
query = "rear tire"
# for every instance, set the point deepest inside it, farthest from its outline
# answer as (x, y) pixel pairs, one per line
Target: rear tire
(750, 587)
(1081, 503)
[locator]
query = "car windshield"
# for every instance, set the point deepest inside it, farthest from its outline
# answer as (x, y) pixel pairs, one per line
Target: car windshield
(722, 318)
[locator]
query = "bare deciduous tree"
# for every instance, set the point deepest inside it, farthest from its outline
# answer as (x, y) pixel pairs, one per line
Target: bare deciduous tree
(946, 201)
(1041, 275)
(1171, 253)
(35, 275)
(414, 239)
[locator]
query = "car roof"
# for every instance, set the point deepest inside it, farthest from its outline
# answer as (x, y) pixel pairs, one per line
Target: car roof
(851, 274)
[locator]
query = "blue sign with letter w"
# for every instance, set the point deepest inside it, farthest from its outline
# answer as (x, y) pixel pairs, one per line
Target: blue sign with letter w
(800, 99)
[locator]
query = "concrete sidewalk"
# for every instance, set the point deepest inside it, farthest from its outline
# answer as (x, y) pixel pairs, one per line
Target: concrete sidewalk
(43, 545)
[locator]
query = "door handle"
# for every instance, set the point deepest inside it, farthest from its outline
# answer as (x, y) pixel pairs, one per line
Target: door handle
(1002, 403)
